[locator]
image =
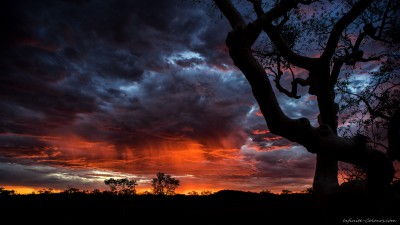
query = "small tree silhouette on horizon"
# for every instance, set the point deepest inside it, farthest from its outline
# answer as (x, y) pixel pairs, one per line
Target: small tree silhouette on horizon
(46, 191)
(4, 191)
(125, 186)
(164, 184)
(286, 192)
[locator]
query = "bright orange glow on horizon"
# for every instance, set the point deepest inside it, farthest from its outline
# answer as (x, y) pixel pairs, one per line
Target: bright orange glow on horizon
(23, 190)
(184, 189)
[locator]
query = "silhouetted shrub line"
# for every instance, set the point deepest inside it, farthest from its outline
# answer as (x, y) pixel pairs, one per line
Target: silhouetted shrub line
(230, 205)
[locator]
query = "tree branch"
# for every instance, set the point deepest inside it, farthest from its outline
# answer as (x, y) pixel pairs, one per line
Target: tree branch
(340, 25)
(354, 57)
(377, 58)
(370, 30)
(385, 14)
(369, 108)
(283, 21)
(292, 57)
(377, 143)
(360, 38)
(235, 19)
(286, 52)
(278, 76)
(265, 22)
(373, 111)
(257, 7)
(337, 65)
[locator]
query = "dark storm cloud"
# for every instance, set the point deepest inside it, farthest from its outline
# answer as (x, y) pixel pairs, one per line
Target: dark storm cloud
(175, 106)
(73, 66)
(290, 162)
(31, 102)
(210, 45)
(14, 141)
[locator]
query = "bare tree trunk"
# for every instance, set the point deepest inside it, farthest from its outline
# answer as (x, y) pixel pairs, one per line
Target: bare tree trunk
(325, 177)
(326, 171)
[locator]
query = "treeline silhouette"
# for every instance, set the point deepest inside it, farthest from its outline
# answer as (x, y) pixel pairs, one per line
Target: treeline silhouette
(102, 206)
(163, 184)
(229, 206)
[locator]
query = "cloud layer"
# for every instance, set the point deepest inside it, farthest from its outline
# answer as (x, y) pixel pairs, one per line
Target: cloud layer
(131, 88)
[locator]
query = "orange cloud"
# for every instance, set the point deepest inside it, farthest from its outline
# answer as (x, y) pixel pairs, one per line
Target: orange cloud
(261, 131)
(272, 138)
(259, 113)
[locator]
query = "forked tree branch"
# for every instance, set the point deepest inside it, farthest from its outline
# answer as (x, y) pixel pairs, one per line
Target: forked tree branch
(295, 82)
(264, 22)
(230, 12)
(281, 44)
(257, 7)
(340, 25)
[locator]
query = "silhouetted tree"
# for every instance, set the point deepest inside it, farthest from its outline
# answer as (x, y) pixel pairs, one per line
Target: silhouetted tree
(121, 186)
(4, 191)
(195, 193)
(308, 191)
(147, 193)
(164, 184)
(46, 191)
(286, 192)
(112, 184)
(318, 39)
(265, 192)
(206, 193)
(71, 190)
(95, 192)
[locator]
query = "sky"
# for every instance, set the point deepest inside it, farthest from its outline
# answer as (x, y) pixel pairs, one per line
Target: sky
(91, 90)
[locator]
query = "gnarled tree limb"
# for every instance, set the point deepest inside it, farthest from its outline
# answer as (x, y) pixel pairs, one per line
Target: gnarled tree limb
(293, 92)
(264, 22)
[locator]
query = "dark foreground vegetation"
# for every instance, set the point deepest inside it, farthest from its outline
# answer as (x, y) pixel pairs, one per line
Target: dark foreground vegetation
(223, 207)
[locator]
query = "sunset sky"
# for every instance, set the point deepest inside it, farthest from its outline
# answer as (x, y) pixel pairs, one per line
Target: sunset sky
(91, 90)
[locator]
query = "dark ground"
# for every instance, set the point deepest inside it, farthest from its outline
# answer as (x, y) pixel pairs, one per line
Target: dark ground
(224, 207)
